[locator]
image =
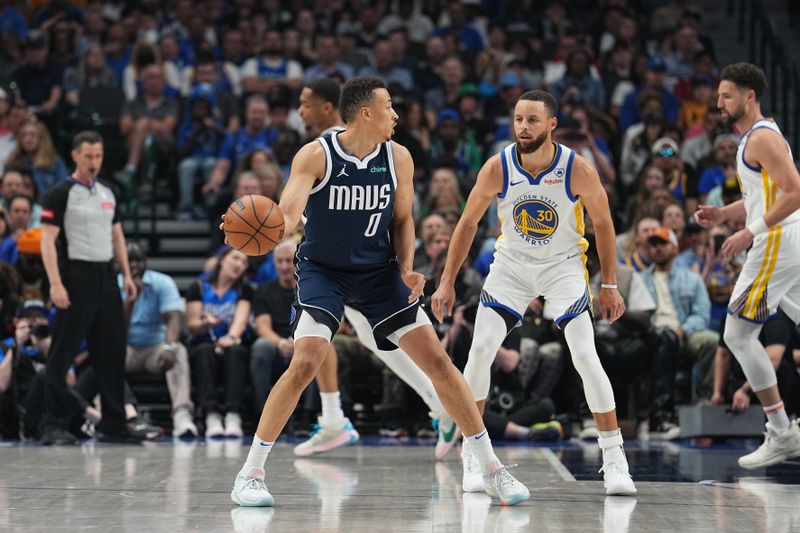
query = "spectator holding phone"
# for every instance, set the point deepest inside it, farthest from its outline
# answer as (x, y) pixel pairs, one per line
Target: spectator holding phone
(719, 274)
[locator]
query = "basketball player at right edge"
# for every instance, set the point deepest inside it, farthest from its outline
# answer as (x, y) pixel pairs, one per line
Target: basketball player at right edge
(541, 189)
(770, 277)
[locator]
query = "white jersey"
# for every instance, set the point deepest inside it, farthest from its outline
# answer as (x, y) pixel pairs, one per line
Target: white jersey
(759, 190)
(539, 216)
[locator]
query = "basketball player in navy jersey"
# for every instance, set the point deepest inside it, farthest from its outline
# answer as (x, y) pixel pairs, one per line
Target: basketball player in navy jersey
(541, 189)
(319, 109)
(355, 187)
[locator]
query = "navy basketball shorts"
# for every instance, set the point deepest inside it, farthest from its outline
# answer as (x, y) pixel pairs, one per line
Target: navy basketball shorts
(377, 292)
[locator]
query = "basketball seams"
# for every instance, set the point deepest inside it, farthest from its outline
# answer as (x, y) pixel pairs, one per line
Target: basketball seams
(257, 231)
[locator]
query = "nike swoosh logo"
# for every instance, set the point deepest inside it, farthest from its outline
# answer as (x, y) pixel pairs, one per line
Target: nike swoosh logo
(481, 435)
(448, 435)
(516, 182)
(264, 444)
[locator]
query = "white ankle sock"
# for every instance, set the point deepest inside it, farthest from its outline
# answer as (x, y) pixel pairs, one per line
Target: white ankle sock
(331, 408)
(481, 448)
(776, 415)
(257, 456)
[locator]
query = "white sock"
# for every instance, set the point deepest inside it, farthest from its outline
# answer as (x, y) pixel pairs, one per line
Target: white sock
(611, 444)
(776, 416)
(481, 448)
(332, 413)
(257, 455)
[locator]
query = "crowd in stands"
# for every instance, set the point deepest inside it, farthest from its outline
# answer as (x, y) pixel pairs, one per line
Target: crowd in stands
(209, 91)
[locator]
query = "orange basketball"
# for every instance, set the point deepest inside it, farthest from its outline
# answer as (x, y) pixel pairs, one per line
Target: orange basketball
(254, 225)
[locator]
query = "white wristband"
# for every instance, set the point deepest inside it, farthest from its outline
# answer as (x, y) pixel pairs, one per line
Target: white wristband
(758, 226)
(608, 285)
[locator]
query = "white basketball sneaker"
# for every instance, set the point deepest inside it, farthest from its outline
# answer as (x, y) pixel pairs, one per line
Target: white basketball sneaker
(776, 448)
(448, 434)
(616, 477)
(249, 489)
(324, 438)
(506, 487)
(473, 478)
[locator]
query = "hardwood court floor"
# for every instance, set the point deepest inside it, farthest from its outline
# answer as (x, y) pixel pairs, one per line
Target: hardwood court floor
(383, 488)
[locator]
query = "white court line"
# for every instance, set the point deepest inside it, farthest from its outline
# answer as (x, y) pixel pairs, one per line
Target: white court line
(557, 465)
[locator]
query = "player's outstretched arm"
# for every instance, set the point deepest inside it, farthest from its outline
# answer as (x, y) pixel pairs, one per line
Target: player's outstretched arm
(585, 183)
(403, 221)
(487, 186)
(308, 166)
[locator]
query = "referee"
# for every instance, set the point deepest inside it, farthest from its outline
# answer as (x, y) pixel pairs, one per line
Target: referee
(81, 234)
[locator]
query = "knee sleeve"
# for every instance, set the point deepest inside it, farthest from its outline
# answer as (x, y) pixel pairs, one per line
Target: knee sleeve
(490, 330)
(741, 337)
(580, 339)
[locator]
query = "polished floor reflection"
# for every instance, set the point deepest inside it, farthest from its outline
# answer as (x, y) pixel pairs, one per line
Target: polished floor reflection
(185, 486)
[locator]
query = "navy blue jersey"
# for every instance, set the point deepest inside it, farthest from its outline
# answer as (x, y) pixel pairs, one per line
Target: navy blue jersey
(350, 210)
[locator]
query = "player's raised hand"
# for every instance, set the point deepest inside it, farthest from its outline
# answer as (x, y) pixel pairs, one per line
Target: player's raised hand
(416, 282)
(442, 301)
(611, 305)
(709, 216)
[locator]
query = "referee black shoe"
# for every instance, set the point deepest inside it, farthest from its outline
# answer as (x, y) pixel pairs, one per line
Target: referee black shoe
(57, 436)
(126, 436)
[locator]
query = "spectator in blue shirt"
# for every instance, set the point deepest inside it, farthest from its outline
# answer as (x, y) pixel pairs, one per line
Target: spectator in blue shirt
(725, 147)
(469, 38)
(11, 20)
(154, 320)
(654, 78)
(199, 139)
(253, 136)
(19, 216)
(590, 90)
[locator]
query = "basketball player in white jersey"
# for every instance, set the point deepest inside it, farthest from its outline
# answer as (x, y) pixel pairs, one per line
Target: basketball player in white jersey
(319, 109)
(541, 189)
(770, 277)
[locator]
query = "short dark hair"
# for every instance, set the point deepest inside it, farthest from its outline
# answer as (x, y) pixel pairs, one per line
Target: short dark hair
(326, 90)
(86, 137)
(357, 93)
(23, 197)
(19, 169)
(542, 96)
(746, 76)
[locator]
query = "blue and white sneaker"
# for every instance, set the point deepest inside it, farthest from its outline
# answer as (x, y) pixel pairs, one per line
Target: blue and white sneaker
(448, 433)
(324, 439)
(249, 489)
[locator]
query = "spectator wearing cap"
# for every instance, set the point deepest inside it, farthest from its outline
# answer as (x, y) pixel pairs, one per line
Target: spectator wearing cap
(13, 21)
(638, 140)
(154, 320)
(694, 110)
(728, 192)
(683, 308)
(383, 66)
(38, 79)
(724, 151)
(450, 148)
(153, 112)
(654, 79)
(271, 68)
(667, 156)
(469, 108)
(500, 107)
(578, 84)
(199, 138)
(19, 217)
(328, 61)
